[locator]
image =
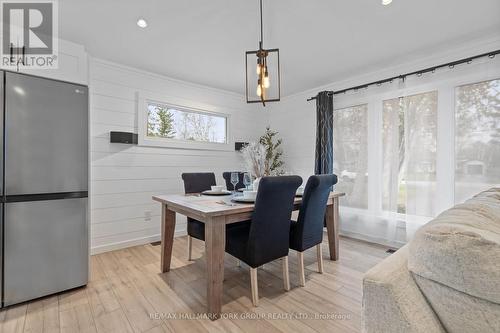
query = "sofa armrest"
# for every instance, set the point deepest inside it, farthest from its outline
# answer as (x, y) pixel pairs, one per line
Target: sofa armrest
(392, 302)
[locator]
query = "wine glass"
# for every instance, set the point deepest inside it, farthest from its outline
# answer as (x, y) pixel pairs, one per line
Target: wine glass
(234, 180)
(247, 180)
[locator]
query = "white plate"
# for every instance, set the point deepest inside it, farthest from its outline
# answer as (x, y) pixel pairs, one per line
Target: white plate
(210, 192)
(245, 200)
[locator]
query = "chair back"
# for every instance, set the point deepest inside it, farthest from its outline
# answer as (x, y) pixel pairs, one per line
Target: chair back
(309, 228)
(227, 177)
(270, 228)
(197, 182)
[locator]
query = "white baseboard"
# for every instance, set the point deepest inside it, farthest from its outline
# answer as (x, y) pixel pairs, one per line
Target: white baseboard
(178, 233)
(131, 242)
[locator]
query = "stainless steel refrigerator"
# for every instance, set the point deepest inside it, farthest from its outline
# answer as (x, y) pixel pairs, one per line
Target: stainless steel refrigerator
(44, 187)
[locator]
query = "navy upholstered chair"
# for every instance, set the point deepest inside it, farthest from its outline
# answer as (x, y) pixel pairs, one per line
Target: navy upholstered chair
(307, 231)
(266, 238)
(227, 178)
(196, 183)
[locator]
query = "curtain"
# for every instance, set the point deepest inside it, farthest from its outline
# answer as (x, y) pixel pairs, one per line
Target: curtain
(350, 148)
(324, 133)
(409, 159)
(477, 138)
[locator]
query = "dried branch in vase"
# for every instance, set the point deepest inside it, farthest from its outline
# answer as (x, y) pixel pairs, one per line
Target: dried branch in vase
(254, 156)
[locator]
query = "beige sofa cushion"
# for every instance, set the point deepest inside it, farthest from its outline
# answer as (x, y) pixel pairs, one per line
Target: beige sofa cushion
(392, 302)
(459, 312)
(461, 247)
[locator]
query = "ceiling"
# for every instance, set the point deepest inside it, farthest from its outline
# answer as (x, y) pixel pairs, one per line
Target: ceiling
(320, 41)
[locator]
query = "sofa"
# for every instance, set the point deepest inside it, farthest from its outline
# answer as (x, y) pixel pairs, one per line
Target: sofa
(446, 279)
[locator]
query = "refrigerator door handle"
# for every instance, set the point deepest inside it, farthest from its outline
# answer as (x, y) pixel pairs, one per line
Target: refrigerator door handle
(46, 196)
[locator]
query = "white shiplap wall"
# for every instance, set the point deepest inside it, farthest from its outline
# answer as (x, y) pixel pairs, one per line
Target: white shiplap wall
(124, 177)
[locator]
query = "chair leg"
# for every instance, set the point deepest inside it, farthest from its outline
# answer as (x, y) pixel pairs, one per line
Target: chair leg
(255, 286)
(286, 276)
(320, 258)
(190, 247)
(302, 276)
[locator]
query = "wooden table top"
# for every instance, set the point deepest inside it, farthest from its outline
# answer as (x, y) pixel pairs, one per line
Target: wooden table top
(205, 205)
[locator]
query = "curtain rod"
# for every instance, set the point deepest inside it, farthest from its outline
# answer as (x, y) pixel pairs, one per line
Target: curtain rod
(418, 73)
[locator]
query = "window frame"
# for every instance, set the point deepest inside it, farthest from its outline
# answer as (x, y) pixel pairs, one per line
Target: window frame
(142, 116)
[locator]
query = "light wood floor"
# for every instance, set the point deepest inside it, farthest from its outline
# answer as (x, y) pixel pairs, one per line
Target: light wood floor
(126, 292)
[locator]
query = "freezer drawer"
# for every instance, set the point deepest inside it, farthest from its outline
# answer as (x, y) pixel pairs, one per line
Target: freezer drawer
(45, 248)
(46, 136)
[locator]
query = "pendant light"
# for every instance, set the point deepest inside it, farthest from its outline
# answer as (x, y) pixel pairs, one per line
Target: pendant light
(263, 82)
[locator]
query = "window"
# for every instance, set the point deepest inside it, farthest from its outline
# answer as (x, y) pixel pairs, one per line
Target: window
(432, 141)
(166, 122)
(477, 138)
(409, 154)
(351, 154)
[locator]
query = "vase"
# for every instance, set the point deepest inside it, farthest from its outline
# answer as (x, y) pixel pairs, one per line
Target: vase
(256, 184)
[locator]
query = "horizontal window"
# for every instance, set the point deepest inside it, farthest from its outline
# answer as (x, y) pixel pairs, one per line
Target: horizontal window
(174, 123)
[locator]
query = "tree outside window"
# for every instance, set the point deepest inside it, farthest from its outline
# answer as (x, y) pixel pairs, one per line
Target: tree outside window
(172, 123)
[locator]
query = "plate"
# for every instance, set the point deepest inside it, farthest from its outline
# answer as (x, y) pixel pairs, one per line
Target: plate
(210, 192)
(244, 200)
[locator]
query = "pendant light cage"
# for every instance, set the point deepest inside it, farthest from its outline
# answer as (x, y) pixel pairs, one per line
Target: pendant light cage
(262, 73)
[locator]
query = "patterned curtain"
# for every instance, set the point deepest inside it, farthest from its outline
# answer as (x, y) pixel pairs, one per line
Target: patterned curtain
(324, 133)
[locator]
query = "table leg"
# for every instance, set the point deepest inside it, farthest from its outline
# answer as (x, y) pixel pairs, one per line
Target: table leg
(332, 226)
(215, 243)
(167, 237)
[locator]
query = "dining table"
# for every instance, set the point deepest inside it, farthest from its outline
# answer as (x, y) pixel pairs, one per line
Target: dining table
(216, 212)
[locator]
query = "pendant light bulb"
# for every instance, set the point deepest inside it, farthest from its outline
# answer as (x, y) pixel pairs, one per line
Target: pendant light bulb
(258, 69)
(259, 90)
(266, 82)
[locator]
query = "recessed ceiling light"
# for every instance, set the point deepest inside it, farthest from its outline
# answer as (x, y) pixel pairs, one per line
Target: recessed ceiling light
(142, 22)
(386, 2)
